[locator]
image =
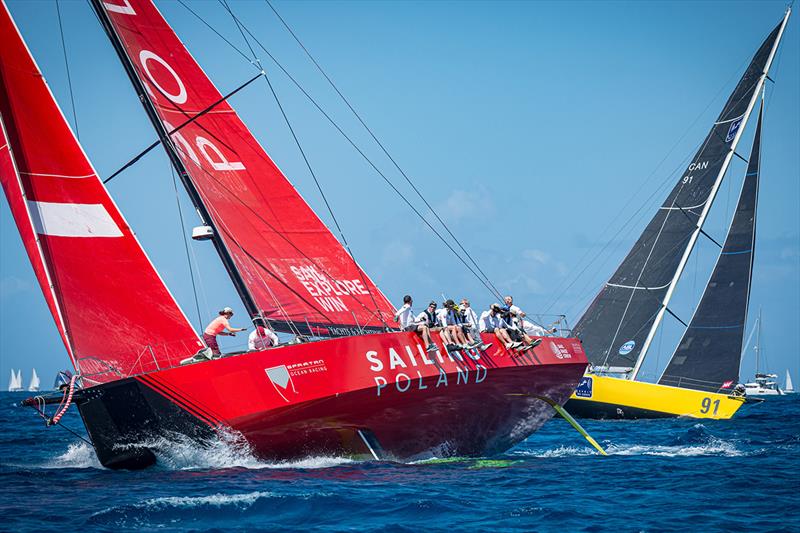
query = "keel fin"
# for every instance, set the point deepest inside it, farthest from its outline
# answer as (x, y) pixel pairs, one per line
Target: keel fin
(372, 444)
(574, 423)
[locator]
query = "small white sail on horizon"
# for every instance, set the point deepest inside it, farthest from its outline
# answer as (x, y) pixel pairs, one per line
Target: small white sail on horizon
(788, 386)
(15, 383)
(35, 382)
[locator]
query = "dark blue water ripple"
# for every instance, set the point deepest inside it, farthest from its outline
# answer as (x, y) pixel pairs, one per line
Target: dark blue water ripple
(662, 475)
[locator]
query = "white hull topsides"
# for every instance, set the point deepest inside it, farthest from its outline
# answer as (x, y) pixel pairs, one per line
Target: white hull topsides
(753, 389)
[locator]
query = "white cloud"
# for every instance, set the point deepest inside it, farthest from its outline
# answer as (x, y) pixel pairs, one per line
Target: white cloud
(12, 285)
(466, 205)
(397, 253)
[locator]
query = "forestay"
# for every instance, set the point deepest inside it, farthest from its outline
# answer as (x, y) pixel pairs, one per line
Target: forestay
(708, 355)
(112, 310)
(621, 321)
(296, 271)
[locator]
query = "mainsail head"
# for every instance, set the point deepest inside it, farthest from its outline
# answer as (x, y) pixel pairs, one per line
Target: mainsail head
(620, 323)
(708, 355)
(113, 312)
(298, 274)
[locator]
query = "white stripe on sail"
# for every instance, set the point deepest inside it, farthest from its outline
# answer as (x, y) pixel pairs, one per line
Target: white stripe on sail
(637, 287)
(72, 220)
(55, 175)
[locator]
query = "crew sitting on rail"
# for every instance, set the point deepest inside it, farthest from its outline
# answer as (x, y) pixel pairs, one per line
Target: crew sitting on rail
(218, 327)
(492, 322)
(469, 319)
(262, 337)
(432, 318)
(408, 322)
(469, 322)
(453, 321)
(517, 314)
(441, 326)
(517, 334)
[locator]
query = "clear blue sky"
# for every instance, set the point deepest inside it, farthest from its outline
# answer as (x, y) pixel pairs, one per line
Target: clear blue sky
(537, 129)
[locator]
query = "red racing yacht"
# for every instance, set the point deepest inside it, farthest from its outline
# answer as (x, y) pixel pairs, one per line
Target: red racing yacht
(357, 389)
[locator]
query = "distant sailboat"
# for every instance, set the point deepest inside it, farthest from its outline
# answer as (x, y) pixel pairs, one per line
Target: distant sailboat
(15, 383)
(764, 384)
(35, 382)
(788, 388)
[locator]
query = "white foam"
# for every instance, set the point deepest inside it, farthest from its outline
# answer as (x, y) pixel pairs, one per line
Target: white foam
(228, 450)
(78, 455)
(213, 500)
(715, 447)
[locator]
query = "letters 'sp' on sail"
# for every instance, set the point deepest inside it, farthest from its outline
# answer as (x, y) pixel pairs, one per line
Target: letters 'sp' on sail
(294, 269)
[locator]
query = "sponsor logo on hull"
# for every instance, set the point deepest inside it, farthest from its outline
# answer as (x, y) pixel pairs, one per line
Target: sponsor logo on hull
(584, 388)
(281, 379)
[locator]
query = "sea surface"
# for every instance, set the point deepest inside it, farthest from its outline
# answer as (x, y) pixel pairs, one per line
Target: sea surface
(660, 475)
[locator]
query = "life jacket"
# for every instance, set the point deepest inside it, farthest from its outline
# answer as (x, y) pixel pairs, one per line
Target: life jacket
(431, 319)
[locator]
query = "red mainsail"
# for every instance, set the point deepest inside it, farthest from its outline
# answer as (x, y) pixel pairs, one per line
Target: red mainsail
(295, 269)
(112, 310)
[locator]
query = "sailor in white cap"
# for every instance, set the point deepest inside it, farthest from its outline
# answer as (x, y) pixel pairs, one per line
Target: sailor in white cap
(218, 326)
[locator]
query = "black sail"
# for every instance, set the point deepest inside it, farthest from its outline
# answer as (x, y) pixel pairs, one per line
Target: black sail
(617, 325)
(708, 356)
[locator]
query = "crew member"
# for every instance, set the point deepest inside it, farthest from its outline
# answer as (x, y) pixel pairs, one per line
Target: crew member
(408, 322)
(492, 322)
(262, 337)
(220, 326)
(535, 330)
(517, 334)
(471, 329)
(517, 314)
(453, 321)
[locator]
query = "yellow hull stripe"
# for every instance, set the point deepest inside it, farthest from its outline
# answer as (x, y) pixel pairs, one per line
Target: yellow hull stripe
(664, 399)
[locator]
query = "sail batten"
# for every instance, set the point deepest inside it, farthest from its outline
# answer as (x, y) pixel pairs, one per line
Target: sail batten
(620, 324)
(112, 310)
(286, 264)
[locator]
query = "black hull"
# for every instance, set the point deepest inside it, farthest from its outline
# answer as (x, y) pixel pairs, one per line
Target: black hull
(121, 415)
(608, 411)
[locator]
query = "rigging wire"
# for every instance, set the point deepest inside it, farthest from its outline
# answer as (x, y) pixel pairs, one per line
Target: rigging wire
(698, 227)
(186, 246)
(704, 145)
(560, 292)
(66, 64)
(349, 140)
(308, 165)
(135, 159)
(382, 147)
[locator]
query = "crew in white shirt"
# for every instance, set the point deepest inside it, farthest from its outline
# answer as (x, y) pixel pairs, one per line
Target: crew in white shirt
(470, 325)
(517, 314)
(536, 330)
(452, 321)
(408, 322)
(262, 337)
(515, 317)
(492, 322)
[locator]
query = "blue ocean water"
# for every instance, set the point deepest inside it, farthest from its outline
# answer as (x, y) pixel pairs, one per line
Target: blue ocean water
(740, 474)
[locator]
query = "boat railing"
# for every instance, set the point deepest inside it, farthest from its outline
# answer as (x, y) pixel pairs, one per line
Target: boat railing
(154, 357)
(692, 383)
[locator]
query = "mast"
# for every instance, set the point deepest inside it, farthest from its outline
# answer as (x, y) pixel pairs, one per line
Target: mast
(704, 214)
(758, 339)
(166, 141)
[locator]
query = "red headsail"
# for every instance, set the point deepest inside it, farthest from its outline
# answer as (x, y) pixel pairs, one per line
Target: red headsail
(114, 313)
(295, 269)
